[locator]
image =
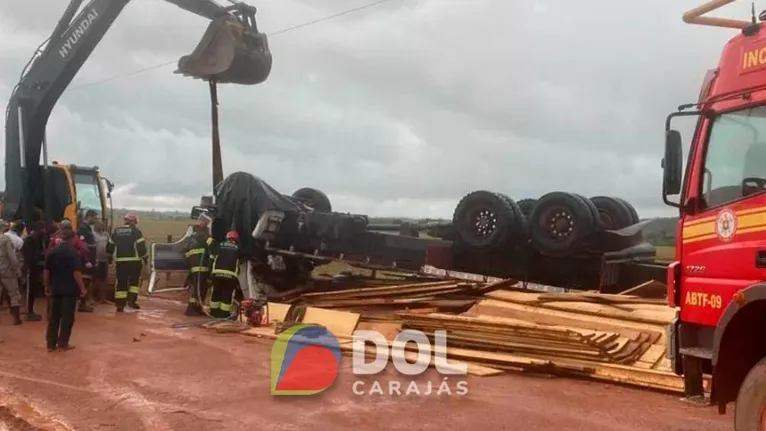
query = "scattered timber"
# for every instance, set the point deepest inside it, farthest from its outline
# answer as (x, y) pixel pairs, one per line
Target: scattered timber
(495, 326)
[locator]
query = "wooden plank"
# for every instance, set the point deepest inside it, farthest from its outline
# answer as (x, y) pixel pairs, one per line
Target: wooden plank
(609, 372)
(346, 346)
(651, 357)
(591, 320)
(387, 329)
(485, 321)
(599, 298)
(542, 316)
(642, 313)
(649, 289)
(380, 290)
(275, 311)
(337, 322)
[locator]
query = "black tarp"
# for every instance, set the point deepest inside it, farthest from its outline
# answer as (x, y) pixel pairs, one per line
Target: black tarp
(241, 199)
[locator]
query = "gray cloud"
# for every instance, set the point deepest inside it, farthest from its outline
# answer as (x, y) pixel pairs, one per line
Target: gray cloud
(396, 110)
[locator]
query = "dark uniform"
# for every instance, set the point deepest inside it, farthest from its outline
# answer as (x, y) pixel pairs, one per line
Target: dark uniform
(198, 258)
(225, 276)
(34, 257)
(129, 252)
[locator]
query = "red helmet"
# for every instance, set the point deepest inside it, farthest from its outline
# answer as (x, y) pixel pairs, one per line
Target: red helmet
(232, 235)
(131, 218)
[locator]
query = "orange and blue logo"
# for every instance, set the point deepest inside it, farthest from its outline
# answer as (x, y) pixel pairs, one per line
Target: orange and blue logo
(304, 361)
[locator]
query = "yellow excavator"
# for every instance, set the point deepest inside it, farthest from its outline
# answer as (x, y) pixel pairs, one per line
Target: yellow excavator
(232, 50)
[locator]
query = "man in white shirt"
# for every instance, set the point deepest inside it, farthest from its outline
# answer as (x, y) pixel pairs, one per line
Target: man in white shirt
(17, 229)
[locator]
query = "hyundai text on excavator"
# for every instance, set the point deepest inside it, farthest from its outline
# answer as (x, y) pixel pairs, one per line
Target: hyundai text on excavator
(231, 51)
(717, 283)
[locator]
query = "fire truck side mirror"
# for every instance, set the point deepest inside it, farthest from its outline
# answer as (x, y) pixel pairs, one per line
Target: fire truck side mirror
(672, 164)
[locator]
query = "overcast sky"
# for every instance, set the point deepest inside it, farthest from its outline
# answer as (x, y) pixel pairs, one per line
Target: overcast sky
(400, 109)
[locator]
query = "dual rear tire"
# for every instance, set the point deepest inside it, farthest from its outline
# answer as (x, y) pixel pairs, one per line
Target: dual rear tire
(556, 224)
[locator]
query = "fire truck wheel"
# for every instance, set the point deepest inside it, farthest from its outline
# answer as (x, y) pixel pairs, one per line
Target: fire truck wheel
(613, 213)
(633, 213)
(486, 220)
(314, 198)
(750, 409)
(560, 223)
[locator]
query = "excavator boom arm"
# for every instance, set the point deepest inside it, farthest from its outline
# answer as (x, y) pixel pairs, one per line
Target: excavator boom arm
(73, 40)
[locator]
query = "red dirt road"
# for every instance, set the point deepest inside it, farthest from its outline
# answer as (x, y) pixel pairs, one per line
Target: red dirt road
(135, 372)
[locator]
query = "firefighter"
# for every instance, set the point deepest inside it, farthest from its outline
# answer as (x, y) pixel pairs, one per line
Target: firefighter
(129, 252)
(198, 259)
(225, 275)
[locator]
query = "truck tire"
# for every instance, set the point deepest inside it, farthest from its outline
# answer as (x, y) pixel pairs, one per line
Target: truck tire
(560, 223)
(749, 413)
(486, 220)
(592, 208)
(632, 209)
(314, 199)
(519, 229)
(526, 206)
(613, 213)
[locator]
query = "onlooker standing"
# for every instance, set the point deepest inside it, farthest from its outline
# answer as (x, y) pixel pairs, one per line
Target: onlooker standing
(85, 234)
(34, 258)
(66, 227)
(101, 269)
(10, 272)
(15, 232)
(64, 284)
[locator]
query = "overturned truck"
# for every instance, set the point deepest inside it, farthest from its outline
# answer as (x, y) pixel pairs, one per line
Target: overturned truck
(561, 239)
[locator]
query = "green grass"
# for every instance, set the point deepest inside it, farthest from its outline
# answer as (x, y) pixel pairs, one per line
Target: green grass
(157, 230)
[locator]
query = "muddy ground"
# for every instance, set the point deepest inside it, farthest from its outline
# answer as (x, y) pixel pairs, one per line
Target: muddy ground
(136, 372)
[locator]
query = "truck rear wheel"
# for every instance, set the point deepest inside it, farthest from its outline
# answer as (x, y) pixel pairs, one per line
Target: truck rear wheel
(486, 220)
(750, 409)
(314, 199)
(526, 206)
(632, 209)
(613, 213)
(560, 223)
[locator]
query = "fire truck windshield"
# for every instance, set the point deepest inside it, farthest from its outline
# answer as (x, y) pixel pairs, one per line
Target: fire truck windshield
(87, 189)
(735, 156)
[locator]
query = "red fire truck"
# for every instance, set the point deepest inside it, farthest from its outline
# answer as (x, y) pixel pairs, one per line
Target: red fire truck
(718, 280)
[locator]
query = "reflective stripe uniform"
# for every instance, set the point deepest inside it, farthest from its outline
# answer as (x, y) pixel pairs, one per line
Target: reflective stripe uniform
(225, 276)
(129, 252)
(198, 259)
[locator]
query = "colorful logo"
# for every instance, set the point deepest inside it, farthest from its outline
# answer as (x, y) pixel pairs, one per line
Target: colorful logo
(726, 225)
(304, 361)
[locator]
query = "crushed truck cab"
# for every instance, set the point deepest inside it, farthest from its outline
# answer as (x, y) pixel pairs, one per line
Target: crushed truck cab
(716, 283)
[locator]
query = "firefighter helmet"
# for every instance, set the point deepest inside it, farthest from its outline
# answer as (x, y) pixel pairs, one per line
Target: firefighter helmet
(232, 235)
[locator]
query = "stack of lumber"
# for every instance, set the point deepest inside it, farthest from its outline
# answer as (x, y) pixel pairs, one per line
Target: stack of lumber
(379, 303)
(531, 339)
(495, 327)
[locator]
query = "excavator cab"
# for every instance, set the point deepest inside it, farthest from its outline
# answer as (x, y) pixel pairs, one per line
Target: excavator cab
(231, 50)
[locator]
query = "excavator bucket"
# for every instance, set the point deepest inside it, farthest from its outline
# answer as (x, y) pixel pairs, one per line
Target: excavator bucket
(229, 52)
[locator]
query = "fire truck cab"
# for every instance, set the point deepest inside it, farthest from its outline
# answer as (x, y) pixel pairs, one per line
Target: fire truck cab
(717, 283)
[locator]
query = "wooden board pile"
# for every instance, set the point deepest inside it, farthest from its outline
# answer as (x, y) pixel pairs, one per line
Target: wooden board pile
(495, 327)
(611, 337)
(379, 303)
